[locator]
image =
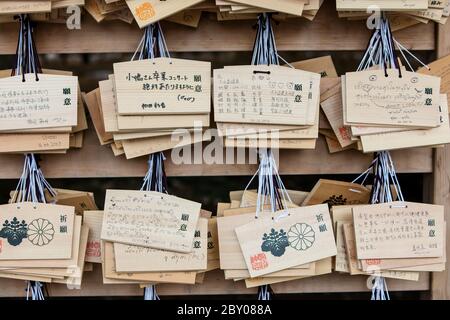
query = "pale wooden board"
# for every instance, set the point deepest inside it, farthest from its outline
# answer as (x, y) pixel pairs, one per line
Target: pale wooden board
(162, 122)
(332, 107)
(165, 215)
(292, 144)
(144, 146)
(75, 279)
(165, 277)
(440, 68)
(45, 103)
(108, 105)
(33, 142)
(80, 200)
(60, 263)
(412, 138)
(293, 7)
(322, 65)
(309, 237)
(131, 259)
(293, 106)
(382, 4)
(230, 253)
(291, 272)
(181, 87)
(41, 237)
(18, 7)
(418, 216)
(150, 11)
(337, 193)
(92, 102)
(93, 220)
(371, 99)
(353, 263)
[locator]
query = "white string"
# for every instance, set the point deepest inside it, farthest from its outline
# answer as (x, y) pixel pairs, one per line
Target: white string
(401, 48)
(155, 169)
(381, 51)
(383, 55)
(31, 188)
(264, 293)
(287, 63)
(150, 293)
(139, 48)
(379, 289)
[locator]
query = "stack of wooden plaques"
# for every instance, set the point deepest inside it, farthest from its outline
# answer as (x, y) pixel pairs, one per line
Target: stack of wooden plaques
(337, 136)
(267, 106)
(389, 109)
(249, 9)
(152, 105)
(80, 200)
(42, 242)
(394, 240)
(104, 10)
(149, 237)
(401, 13)
(45, 116)
(55, 11)
(188, 12)
(233, 220)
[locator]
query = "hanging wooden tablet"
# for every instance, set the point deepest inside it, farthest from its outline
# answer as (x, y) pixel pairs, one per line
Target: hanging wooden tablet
(36, 231)
(162, 86)
(150, 219)
(80, 200)
(147, 12)
(293, 7)
(439, 68)
(21, 7)
(265, 94)
(110, 271)
(399, 230)
(336, 193)
(269, 245)
(411, 100)
(29, 104)
(411, 138)
(321, 65)
(399, 5)
(141, 259)
(51, 263)
(354, 263)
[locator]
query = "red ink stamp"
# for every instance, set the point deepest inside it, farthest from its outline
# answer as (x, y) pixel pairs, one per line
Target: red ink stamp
(373, 262)
(93, 249)
(259, 261)
(345, 134)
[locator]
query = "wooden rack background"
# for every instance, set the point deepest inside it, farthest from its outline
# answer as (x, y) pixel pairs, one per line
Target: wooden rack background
(325, 33)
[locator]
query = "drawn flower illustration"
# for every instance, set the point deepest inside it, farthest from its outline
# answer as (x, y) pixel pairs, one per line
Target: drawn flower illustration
(40, 232)
(301, 236)
(336, 201)
(275, 242)
(14, 231)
